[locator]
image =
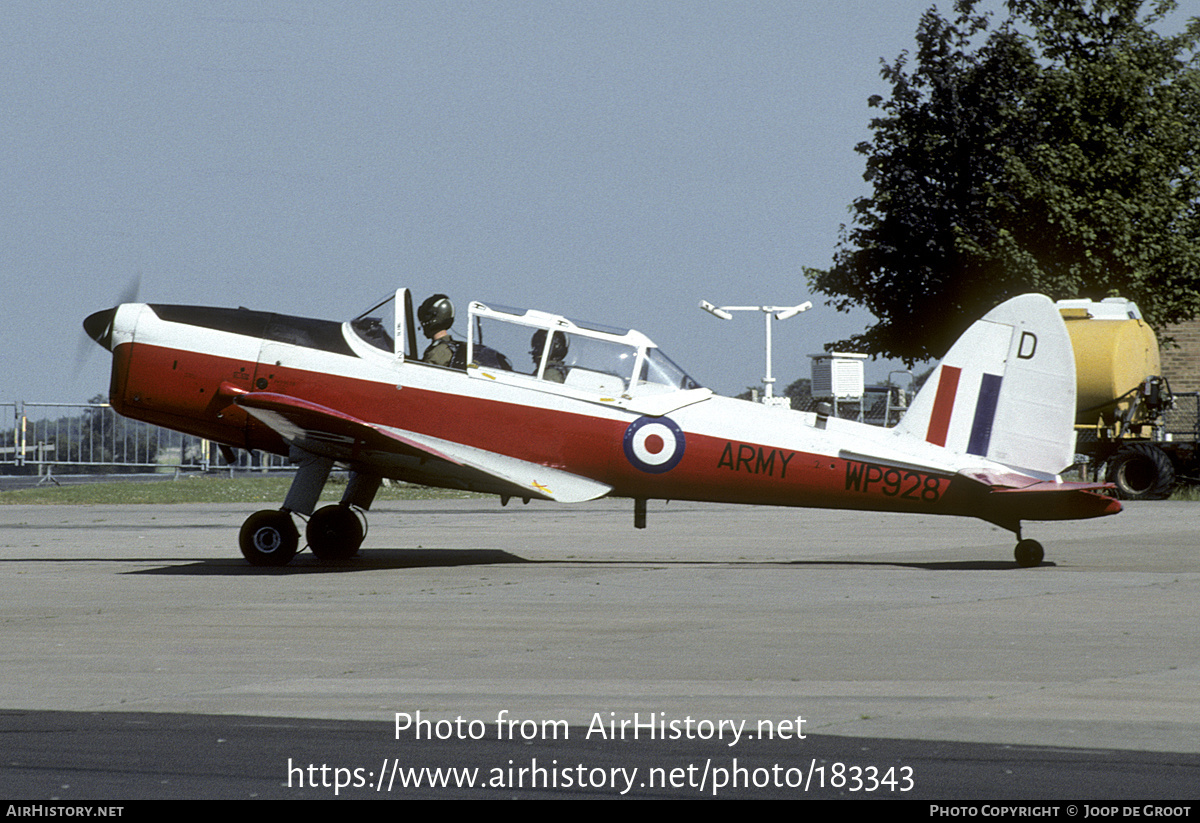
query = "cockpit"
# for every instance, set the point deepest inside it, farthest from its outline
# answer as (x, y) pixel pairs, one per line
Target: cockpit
(536, 349)
(575, 354)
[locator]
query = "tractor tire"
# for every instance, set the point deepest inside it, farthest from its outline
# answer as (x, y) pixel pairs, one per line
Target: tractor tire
(1141, 471)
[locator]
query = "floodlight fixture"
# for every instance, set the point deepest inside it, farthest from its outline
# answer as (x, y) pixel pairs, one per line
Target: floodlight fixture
(715, 311)
(778, 312)
(793, 311)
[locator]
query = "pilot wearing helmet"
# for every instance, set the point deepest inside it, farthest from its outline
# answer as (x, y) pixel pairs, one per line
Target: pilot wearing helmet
(436, 316)
(556, 371)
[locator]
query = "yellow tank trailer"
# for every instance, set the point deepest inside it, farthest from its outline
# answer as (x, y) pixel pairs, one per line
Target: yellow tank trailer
(1120, 398)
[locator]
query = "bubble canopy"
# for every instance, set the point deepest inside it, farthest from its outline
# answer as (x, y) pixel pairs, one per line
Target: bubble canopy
(526, 343)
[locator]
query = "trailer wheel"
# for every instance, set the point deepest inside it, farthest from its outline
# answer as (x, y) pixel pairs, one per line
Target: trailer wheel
(1141, 471)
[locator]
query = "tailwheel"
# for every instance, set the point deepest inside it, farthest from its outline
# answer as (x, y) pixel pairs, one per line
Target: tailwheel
(334, 532)
(269, 538)
(1029, 553)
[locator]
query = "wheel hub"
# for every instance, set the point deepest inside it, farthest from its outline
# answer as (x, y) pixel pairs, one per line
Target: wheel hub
(267, 539)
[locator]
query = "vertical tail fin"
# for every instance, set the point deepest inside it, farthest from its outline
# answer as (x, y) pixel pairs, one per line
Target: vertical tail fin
(1005, 391)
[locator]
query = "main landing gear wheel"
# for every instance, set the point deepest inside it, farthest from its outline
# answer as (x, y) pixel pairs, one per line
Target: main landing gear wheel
(334, 532)
(1029, 553)
(269, 538)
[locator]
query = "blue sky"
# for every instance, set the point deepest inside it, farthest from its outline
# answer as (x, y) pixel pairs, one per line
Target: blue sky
(616, 161)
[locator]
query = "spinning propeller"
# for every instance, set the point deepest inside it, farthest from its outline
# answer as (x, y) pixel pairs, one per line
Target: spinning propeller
(99, 325)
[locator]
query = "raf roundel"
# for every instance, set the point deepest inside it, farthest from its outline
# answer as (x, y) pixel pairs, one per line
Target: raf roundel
(654, 444)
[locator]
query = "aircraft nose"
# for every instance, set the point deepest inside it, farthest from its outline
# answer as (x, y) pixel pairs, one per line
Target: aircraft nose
(99, 326)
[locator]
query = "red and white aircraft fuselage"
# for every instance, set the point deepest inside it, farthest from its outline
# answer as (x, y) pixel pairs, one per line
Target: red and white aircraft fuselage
(556, 409)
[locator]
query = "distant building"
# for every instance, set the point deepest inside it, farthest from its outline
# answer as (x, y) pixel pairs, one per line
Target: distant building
(1181, 361)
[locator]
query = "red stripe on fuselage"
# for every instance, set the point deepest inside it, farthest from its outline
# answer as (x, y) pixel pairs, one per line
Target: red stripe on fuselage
(179, 389)
(160, 389)
(943, 405)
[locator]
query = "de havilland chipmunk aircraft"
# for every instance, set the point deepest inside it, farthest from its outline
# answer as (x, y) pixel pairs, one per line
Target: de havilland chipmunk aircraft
(535, 405)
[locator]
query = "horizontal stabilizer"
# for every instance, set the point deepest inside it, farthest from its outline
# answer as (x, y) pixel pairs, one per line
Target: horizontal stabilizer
(1011, 496)
(1015, 482)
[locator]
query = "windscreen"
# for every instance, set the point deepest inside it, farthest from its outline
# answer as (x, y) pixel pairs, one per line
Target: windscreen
(374, 325)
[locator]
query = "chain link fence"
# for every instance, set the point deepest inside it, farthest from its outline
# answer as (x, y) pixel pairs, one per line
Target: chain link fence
(91, 438)
(878, 406)
(1182, 420)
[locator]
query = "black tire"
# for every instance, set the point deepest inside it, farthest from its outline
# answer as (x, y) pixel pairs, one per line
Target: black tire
(334, 533)
(1029, 553)
(269, 538)
(1141, 471)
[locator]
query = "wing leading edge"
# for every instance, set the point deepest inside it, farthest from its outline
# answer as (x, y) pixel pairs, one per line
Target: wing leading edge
(344, 438)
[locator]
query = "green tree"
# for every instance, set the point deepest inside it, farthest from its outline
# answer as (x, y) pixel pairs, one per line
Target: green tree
(800, 393)
(1055, 153)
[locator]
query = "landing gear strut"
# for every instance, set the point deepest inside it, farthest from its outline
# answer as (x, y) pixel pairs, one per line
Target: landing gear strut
(270, 538)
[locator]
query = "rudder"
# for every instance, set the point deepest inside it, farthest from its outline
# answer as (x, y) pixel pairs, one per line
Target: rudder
(1005, 391)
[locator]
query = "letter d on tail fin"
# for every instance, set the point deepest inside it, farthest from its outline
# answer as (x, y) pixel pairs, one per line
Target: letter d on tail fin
(1005, 391)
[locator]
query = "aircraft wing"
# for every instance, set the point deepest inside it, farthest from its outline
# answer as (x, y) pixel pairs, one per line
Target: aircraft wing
(345, 438)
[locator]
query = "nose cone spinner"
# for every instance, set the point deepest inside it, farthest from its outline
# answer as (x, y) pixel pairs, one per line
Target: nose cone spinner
(99, 326)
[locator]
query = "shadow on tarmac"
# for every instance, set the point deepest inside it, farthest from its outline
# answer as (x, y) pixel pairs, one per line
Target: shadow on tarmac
(390, 559)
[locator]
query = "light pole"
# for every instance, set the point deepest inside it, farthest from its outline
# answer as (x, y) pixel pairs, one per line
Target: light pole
(776, 312)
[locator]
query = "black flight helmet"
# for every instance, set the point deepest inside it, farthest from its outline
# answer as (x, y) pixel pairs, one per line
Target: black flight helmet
(558, 346)
(436, 314)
